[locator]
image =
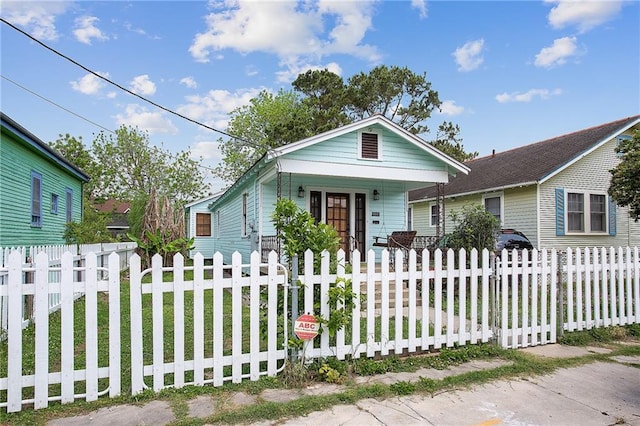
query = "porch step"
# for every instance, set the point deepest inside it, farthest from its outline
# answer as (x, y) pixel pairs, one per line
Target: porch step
(392, 293)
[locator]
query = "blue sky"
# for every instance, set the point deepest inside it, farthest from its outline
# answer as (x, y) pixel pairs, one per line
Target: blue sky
(508, 73)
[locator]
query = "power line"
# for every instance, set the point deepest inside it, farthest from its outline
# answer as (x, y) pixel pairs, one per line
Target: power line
(84, 118)
(56, 104)
(124, 88)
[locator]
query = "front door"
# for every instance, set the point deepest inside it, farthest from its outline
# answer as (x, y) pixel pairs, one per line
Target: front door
(338, 217)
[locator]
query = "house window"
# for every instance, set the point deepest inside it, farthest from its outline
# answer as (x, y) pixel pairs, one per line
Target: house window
(54, 203)
(36, 199)
(575, 212)
(435, 215)
(244, 214)
(494, 206)
(370, 145)
(315, 205)
(410, 219)
(203, 224)
(69, 204)
(598, 213)
(585, 213)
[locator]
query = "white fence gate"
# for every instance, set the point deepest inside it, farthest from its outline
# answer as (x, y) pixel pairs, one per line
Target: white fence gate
(207, 324)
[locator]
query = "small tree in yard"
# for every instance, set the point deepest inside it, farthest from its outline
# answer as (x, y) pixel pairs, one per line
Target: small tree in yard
(474, 228)
(163, 231)
(300, 233)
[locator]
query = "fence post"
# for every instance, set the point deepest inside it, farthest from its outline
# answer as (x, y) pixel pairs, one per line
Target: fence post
(560, 292)
(294, 301)
(493, 296)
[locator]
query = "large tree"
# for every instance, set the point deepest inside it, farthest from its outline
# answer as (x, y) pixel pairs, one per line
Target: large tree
(129, 167)
(269, 121)
(448, 140)
(625, 177)
(321, 101)
(325, 94)
(397, 93)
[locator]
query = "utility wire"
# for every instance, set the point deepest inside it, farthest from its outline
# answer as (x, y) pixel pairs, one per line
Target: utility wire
(84, 118)
(58, 105)
(124, 88)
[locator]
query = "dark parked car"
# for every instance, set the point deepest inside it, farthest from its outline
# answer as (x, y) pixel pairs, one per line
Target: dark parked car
(512, 239)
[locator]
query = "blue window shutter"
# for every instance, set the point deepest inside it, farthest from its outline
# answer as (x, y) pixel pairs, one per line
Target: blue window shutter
(612, 217)
(559, 211)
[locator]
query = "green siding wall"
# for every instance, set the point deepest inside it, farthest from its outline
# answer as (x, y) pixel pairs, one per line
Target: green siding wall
(396, 152)
(17, 162)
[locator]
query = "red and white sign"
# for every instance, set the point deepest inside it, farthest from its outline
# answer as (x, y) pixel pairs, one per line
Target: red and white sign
(306, 327)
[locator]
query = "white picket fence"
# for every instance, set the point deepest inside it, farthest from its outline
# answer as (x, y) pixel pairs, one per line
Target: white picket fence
(55, 253)
(208, 324)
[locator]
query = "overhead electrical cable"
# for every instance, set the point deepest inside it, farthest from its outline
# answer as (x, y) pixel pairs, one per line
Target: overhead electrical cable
(84, 118)
(119, 86)
(58, 105)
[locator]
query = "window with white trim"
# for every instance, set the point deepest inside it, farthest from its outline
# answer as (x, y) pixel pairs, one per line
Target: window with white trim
(203, 224)
(493, 204)
(582, 212)
(434, 216)
(369, 146)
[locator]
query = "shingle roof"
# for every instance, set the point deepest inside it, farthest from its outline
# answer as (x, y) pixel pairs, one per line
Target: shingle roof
(526, 164)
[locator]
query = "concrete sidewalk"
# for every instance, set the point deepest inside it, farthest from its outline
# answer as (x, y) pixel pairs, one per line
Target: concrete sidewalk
(600, 393)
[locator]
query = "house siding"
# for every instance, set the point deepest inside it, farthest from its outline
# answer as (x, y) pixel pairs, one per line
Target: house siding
(591, 175)
(202, 245)
(520, 207)
(396, 152)
(17, 161)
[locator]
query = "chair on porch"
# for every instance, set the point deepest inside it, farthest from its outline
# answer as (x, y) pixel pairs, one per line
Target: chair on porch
(397, 240)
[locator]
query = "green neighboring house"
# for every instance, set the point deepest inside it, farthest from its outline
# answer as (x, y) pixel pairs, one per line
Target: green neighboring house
(40, 191)
(355, 178)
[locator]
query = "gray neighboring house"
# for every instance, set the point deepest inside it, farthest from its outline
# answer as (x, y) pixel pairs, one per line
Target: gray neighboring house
(554, 191)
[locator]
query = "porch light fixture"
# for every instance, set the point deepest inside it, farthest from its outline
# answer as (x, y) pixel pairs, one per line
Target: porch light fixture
(376, 194)
(300, 192)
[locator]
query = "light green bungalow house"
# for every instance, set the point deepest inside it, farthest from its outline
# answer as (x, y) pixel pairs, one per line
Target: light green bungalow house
(355, 178)
(40, 191)
(554, 191)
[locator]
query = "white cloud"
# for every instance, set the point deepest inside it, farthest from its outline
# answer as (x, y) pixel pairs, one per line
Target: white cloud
(37, 18)
(421, 5)
(557, 53)
(527, 96)
(190, 82)
(214, 107)
(584, 14)
(89, 84)
(152, 122)
(469, 56)
(450, 108)
(294, 31)
(207, 150)
(85, 29)
(142, 85)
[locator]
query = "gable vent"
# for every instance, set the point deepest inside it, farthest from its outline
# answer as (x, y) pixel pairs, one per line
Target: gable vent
(370, 145)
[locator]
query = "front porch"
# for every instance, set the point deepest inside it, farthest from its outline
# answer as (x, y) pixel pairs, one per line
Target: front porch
(269, 243)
